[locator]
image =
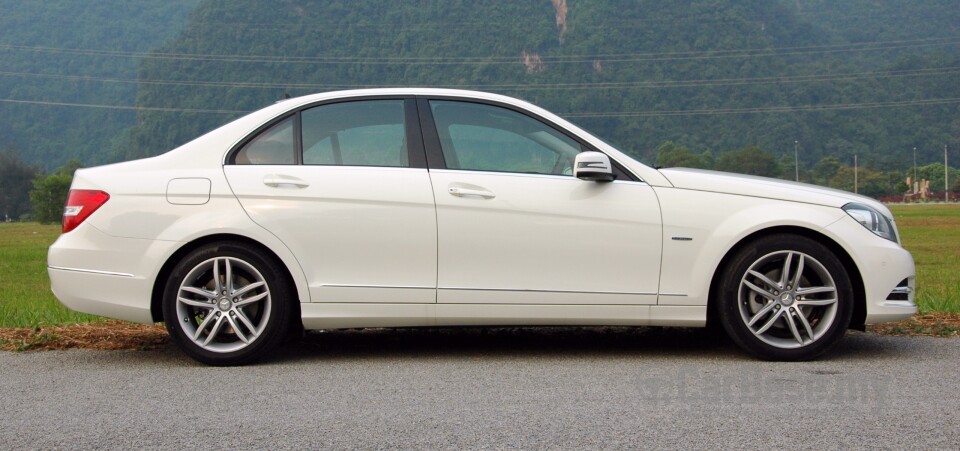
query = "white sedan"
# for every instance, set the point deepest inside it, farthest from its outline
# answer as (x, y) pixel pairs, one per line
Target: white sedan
(431, 207)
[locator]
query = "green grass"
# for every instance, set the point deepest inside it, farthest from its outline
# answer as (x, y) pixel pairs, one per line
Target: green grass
(931, 232)
(25, 297)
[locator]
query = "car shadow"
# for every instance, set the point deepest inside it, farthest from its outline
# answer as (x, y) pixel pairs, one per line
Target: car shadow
(498, 343)
(557, 342)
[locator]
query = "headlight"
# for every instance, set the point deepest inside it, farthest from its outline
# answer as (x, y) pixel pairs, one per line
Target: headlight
(873, 220)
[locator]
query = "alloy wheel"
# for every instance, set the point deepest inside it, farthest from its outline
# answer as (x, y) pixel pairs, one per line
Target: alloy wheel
(788, 299)
(223, 304)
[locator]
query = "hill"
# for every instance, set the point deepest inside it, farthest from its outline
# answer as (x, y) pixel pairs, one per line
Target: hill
(75, 52)
(868, 77)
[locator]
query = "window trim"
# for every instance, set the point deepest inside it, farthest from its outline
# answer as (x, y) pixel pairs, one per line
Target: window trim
(416, 154)
(434, 150)
(232, 154)
(297, 140)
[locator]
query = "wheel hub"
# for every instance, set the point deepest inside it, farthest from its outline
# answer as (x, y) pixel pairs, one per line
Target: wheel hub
(786, 299)
(224, 304)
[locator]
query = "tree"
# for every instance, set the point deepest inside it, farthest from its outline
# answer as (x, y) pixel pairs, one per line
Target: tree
(825, 169)
(15, 177)
(749, 160)
(866, 181)
(49, 193)
(789, 168)
(934, 174)
(670, 155)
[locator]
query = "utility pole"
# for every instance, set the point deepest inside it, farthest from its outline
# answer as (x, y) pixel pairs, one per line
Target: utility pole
(796, 159)
(856, 175)
(946, 176)
(917, 189)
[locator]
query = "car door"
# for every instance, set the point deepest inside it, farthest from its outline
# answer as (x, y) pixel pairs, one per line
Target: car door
(344, 185)
(514, 225)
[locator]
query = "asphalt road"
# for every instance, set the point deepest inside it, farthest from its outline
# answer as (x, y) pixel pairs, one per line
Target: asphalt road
(500, 388)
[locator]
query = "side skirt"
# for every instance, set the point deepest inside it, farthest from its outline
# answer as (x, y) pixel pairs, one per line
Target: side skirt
(351, 315)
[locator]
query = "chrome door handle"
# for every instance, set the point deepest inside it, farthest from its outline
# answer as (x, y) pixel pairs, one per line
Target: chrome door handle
(276, 180)
(467, 192)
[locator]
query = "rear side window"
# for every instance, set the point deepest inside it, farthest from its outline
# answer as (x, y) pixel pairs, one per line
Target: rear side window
(362, 133)
(358, 133)
(274, 145)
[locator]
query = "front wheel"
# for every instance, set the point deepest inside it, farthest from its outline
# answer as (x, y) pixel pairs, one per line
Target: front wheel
(785, 297)
(226, 305)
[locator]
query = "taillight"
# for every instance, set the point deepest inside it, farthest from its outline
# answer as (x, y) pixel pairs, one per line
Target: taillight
(81, 203)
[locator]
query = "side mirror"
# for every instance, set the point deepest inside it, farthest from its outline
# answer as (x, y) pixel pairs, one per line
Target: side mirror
(593, 166)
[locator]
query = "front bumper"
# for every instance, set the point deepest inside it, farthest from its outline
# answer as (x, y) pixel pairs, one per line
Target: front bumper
(887, 271)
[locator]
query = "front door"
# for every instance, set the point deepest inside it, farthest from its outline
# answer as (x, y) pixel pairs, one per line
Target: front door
(515, 227)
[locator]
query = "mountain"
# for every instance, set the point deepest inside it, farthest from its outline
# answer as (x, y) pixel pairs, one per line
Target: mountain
(76, 52)
(873, 78)
(854, 77)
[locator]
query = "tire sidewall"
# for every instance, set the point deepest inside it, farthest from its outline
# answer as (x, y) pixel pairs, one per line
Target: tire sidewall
(729, 297)
(277, 322)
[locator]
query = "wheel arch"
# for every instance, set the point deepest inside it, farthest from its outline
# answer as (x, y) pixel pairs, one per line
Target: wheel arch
(853, 272)
(156, 296)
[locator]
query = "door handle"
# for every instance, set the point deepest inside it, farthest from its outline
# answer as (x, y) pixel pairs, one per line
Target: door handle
(468, 192)
(276, 180)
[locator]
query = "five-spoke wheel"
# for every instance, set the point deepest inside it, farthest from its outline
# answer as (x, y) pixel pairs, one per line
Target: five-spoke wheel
(785, 297)
(225, 305)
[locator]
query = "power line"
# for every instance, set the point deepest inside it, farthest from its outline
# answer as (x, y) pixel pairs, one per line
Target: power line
(654, 113)
(431, 22)
(560, 59)
(776, 109)
(122, 107)
(769, 52)
(403, 22)
(525, 87)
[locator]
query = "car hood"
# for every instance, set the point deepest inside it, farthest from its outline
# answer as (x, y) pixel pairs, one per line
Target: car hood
(749, 185)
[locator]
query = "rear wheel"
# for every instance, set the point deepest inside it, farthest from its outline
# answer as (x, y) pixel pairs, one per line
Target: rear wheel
(785, 297)
(226, 305)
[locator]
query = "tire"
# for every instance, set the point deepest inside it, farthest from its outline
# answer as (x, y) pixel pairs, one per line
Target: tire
(224, 304)
(792, 318)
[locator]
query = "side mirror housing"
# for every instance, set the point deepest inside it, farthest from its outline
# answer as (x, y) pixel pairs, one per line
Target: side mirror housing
(593, 166)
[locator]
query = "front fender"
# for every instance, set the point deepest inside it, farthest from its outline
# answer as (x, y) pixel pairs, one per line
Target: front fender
(700, 228)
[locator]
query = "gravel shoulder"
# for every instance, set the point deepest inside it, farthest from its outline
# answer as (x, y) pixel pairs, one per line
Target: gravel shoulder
(120, 335)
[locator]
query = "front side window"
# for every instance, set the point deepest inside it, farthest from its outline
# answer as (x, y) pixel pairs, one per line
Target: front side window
(489, 138)
(362, 133)
(272, 146)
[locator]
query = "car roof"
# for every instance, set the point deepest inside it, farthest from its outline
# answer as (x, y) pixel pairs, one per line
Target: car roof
(410, 91)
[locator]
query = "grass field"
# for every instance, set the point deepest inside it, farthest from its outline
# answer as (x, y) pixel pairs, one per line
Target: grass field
(25, 297)
(930, 232)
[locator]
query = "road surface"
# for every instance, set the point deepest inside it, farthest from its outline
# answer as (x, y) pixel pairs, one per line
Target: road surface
(569, 388)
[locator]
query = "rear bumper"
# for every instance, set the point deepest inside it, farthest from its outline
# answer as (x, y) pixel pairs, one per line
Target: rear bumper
(94, 273)
(117, 296)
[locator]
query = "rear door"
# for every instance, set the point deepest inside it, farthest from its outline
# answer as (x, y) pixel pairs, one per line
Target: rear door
(345, 186)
